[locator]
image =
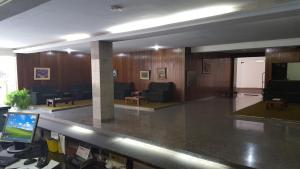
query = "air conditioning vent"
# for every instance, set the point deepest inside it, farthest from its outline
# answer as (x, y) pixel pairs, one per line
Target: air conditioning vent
(3, 2)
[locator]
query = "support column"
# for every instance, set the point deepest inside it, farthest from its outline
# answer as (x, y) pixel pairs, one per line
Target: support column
(102, 81)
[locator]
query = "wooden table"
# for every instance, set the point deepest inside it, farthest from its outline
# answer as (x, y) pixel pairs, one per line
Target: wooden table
(65, 100)
(281, 103)
(136, 99)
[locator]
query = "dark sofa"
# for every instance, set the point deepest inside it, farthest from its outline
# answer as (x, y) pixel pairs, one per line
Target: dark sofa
(159, 92)
(288, 90)
(40, 94)
(122, 90)
(81, 91)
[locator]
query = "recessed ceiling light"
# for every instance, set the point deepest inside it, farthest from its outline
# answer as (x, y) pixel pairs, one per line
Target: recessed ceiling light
(122, 55)
(76, 36)
(69, 50)
(50, 53)
(174, 18)
(157, 47)
(80, 55)
(117, 8)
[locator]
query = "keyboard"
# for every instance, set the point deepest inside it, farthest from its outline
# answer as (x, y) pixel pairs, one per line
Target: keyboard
(6, 161)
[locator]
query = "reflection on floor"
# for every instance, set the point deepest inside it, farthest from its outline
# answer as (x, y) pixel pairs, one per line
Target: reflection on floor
(208, 127)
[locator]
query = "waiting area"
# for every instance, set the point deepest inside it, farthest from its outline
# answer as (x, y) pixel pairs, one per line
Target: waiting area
(134, 84)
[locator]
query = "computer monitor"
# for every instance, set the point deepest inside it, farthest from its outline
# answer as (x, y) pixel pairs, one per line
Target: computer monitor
(20, 127)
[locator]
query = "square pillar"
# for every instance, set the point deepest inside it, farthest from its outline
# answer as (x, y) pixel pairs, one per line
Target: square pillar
(102, 81)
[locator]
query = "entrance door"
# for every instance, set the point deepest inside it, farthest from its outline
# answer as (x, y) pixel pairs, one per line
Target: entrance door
(250, 74)
(8, 76)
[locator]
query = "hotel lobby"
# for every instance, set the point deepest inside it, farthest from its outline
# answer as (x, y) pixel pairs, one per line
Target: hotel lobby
(163, 84)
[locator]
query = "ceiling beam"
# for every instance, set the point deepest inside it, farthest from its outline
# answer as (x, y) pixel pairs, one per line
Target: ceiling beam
(248, 45)
(15, 7)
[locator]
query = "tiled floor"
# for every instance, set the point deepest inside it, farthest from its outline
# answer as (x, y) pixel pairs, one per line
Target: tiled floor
(208, 127)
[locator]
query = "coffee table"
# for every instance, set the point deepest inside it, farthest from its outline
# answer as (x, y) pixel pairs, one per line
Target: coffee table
(65, 100)
(136, 99)
(276, 102)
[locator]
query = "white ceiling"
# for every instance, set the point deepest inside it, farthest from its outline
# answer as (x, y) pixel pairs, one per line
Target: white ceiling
(267, 29)
(10, 8)
(47, 22)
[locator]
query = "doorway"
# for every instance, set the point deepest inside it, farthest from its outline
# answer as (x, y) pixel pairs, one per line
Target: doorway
(8, 76)
(250, 75)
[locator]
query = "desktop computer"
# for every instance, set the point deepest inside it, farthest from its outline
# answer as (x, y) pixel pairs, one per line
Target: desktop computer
(20, 128)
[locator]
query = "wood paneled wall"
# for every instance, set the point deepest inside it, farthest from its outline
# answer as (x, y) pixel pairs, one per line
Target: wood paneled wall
(218, 82)
(66, 69)
(129, 65)
(280, 55)
(69, 69)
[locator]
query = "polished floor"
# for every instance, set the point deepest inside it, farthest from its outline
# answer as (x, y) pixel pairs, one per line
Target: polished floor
(208, 127)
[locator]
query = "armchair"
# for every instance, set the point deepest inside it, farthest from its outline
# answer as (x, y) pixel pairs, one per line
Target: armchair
(159, 92)
(122, 90)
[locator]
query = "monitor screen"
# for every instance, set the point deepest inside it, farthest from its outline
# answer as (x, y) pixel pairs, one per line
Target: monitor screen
(19, 127)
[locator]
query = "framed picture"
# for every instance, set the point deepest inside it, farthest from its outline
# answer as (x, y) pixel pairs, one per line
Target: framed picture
(162, 73)
(41, 73)
(206, 66)
(145, 75)
(115, 73)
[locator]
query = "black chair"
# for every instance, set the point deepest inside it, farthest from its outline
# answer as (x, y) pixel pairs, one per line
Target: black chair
(159, 92)
(122, 90)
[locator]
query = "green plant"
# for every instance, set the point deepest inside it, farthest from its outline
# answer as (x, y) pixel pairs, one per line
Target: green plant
(19, 98)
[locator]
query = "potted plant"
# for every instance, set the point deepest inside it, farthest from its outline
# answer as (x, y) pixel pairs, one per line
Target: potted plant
(19, 99)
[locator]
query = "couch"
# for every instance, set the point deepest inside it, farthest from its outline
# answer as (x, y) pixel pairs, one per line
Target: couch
(122, 90)
(40, 94)
(288, 90)
(81, 91)
(159, 92)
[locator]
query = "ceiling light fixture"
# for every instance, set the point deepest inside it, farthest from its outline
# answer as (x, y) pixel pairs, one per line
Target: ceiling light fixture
(80, 55)
(174, 18)
(69, 50)
(156, 47)
(77, 36)
(50, 53)
(116, 8)
(122, 55)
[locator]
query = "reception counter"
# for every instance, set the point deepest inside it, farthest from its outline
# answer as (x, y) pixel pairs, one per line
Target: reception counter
(134, 149)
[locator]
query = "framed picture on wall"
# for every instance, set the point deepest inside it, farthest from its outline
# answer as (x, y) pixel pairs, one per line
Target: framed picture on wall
(115, 73)
(206, 66)
(41, 73)
(162, 73)
(145, 75)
